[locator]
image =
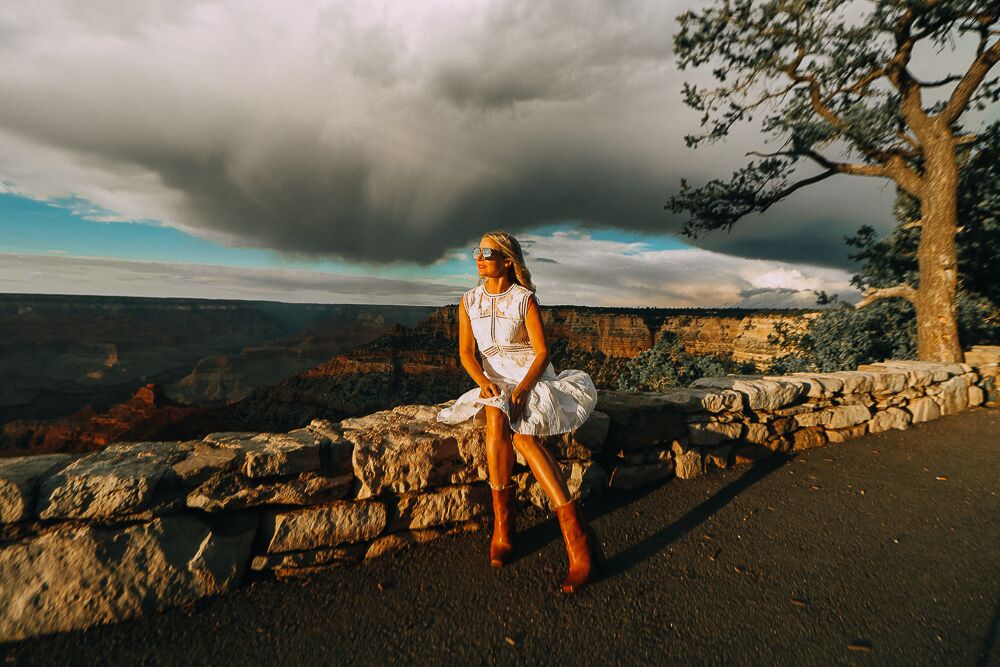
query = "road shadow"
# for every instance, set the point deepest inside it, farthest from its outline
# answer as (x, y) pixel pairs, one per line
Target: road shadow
(990, 639)
(539, 535)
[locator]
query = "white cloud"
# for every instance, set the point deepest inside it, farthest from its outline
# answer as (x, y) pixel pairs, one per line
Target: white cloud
(568, 268)
(601, 272)
(48, 274)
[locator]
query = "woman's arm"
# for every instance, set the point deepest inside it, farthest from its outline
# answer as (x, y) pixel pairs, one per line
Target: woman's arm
(536, 335)
(467, 353)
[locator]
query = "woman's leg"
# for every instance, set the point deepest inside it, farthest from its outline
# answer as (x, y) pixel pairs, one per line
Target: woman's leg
(499, 450)
(544, 467)
(500, 459)
(578, 536)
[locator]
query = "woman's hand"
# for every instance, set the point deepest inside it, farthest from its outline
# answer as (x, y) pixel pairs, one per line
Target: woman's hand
(518, 399)
(489, 389)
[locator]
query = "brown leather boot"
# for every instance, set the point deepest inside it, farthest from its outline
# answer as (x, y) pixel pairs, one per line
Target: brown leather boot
(502, 545)
(581, 546)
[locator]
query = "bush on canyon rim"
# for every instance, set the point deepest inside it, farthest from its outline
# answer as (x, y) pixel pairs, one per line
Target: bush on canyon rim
(844, 337)
(667, 365)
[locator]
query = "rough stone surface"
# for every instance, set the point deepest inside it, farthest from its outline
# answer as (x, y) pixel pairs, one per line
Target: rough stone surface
(272, 454)
(784, 425)
(626, 477)
(205, 461)
(19, 479)
(954, 395)
(745, 454)
(583, 479)
(924, 409)
(397, 453)
(760, 394)
(976, 396)
(438, 507)
(119, 479)
(689, 465)
(808, 438)
(890, 418)
(284, 563)
(323, 526)
(713, 433)
(840, 416)
(644, 456)
(982, 355)
(396, 542)
(692, 399)
(845, 434)
(820, 384)
(227, 492)
(757, 434)
(583, 442)
(719, 456)
(70, 579)
(640, 420)
(855, 382)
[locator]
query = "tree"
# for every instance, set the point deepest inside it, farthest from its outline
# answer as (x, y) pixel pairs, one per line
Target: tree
(892, 259)
(826, 83)
(843, 337)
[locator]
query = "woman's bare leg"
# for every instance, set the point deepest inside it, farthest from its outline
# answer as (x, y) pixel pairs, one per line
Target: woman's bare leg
(499, 449)
(544, 467)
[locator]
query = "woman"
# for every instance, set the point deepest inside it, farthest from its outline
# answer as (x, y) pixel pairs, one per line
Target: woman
(523, 398)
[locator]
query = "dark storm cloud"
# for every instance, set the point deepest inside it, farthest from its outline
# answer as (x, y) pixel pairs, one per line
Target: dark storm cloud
(335, 129)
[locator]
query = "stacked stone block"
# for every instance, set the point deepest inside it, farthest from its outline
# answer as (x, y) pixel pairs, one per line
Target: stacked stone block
(137, 527)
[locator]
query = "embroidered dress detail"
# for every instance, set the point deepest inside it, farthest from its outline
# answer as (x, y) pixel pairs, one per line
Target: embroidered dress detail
(555, 404)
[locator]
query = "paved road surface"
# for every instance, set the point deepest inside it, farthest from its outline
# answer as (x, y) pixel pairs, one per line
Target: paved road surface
(885, 550)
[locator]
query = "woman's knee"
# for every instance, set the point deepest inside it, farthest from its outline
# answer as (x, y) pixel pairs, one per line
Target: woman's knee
(497, 429)
(526, 444)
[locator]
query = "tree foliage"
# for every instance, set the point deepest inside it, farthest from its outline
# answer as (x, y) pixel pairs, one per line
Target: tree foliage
(821, 79)
(667, 365)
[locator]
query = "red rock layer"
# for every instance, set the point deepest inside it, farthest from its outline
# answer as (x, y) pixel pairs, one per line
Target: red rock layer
(147, 415)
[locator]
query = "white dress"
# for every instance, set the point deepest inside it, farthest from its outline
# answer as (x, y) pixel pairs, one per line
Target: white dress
(556, 404)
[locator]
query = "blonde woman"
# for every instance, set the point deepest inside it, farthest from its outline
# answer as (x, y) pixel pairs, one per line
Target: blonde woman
(523, 398)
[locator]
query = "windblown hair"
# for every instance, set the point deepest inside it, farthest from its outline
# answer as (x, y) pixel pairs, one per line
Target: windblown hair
(511, 248)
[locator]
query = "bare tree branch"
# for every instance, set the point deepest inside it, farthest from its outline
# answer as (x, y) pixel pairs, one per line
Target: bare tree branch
(935, 84)
(874, 293)
(963, 92)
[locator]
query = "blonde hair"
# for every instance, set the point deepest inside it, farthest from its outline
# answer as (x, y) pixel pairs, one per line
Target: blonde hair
(512, 249)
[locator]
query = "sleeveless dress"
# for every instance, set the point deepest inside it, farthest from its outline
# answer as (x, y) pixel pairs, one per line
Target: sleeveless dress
(556, 404)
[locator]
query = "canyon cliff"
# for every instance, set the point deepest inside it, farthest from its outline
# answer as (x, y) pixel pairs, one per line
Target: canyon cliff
(392, 365)
(61, 353)
(421, 365)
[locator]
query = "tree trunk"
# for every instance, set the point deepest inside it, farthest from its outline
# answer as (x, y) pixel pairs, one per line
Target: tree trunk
(937, 316)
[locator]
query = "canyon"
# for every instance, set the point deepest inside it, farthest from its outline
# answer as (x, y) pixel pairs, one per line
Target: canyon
(179, 369)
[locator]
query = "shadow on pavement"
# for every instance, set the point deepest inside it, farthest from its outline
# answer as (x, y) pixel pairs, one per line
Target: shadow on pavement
(990, 639)
(538, 536)
(640, 551)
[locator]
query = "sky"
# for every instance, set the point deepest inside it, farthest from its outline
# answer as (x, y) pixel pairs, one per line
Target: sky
(354, 152)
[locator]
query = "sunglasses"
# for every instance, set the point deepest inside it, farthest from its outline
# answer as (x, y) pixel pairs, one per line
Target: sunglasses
(489, 254)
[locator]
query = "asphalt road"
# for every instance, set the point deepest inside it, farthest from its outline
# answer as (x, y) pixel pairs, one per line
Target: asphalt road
(884, 550)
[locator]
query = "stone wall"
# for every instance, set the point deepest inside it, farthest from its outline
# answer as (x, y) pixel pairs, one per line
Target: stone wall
(137, 527)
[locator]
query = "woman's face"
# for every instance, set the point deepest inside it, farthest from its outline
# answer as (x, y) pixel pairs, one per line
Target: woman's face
(493, 268)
